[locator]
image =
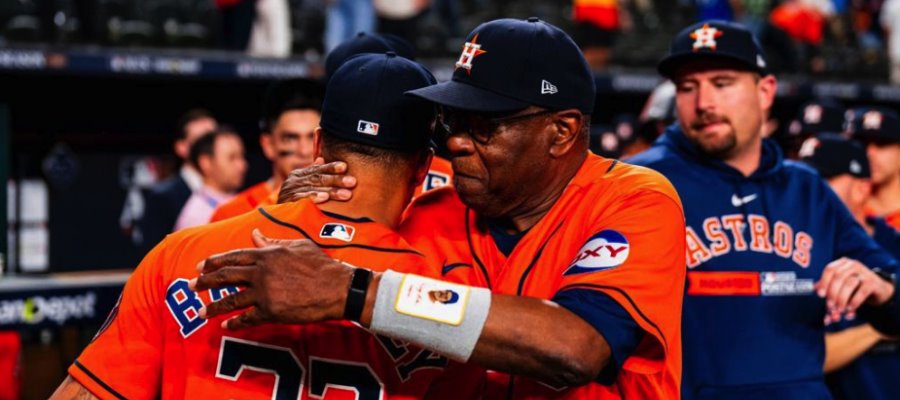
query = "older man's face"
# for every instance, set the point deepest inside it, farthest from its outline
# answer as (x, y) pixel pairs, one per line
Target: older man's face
(497, 165)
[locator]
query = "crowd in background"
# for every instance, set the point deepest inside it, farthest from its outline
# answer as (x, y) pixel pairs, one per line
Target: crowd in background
(846, 39)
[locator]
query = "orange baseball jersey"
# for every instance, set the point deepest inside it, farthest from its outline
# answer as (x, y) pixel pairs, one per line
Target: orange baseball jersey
(616, 229)
(440, 174)
(893, 220)
(258, 195)
(154, 345)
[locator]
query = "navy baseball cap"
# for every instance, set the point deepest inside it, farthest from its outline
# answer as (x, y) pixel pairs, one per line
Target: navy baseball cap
(818, 116)
(715, 40)
(873, 123)
(510, 64)
(365, 103)
(832, 155)
(378, 43)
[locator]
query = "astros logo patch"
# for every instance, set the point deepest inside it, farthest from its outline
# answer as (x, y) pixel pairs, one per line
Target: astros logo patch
(872, 120)
(470, 51)
(705, 37)
(605, 250)
(337, 231)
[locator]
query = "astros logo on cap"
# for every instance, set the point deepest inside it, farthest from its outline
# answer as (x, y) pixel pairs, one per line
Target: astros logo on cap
(808, 148)
(872, 120)
(470, 51)
(812, 114)
(705, 37)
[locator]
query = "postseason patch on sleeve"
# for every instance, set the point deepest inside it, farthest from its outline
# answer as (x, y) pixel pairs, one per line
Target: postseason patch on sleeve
(432, 299)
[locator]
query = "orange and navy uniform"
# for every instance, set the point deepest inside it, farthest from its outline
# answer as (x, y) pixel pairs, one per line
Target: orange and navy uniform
(616, 232)
(258, 195)
(155, 345)
(893, 219)
(440, 174)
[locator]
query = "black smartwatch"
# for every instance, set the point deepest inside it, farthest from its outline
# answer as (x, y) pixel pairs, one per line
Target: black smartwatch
(356, 295)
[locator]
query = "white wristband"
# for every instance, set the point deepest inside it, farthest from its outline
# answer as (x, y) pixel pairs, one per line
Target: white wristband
(437, 315)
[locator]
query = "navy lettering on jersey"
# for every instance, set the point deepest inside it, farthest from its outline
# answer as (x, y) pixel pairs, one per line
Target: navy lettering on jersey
(221, 293)
(720, 236)
(235, 355)
(395, 348)
(184, 304)
(345, 375)
(424, 359)
(435, 180)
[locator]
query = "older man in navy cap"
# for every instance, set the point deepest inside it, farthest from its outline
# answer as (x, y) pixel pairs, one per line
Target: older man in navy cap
(569, 266)
(771, 251)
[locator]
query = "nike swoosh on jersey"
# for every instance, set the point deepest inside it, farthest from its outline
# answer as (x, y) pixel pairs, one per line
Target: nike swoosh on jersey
(739, 201)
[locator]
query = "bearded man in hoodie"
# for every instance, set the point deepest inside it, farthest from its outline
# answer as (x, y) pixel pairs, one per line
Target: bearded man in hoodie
(772, 252)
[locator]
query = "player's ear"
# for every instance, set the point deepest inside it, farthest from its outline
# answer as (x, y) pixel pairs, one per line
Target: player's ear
(317, 142)
(767, 86)
(268, 148)
(424, 166)
(565, 130)
(181, 148)
(204, 163)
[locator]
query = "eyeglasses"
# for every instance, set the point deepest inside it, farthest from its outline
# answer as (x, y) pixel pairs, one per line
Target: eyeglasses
(479, 127)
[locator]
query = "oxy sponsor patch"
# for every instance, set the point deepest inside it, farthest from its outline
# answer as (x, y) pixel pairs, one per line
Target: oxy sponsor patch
(607, 249)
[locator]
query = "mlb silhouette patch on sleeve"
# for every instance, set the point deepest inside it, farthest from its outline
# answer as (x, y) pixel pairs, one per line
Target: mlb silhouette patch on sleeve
(431, 299)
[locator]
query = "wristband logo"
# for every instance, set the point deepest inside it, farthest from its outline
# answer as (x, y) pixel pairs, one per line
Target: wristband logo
(337, 231)
(605, 250)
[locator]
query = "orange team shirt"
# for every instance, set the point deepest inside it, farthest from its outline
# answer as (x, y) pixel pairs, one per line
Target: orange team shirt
(254, 197)
(440, 174)
(617, 229)
(893, 220)
(154, 344)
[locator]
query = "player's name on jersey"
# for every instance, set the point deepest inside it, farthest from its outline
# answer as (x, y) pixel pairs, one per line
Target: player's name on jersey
(719, 236)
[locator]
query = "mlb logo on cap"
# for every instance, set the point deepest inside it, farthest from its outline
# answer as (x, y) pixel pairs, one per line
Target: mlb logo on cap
(337, 231)
(369, 128)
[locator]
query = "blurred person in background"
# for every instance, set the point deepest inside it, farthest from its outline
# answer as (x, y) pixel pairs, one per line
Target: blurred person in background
(237, 22)
(597, 22)
(345, 18)
(367, 43)
(219, 156)
(879, 130)
(270, 35)
(890, 22)
(290, 116)
(802, 22)
(862, 362)
(164, 201)
(814, 117)
(401, 17)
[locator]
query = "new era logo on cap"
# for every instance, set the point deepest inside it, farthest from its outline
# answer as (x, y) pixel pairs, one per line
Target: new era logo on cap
(369, 128)
(548, 88)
